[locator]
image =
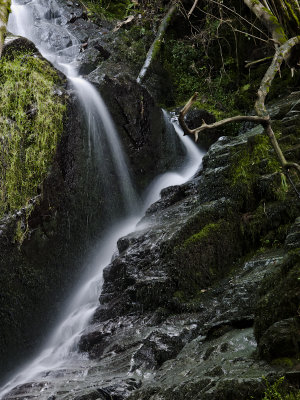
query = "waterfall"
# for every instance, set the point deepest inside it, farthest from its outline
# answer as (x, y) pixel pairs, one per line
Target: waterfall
(103, 136)
(188, 169)
(59, 352)
(97, 114)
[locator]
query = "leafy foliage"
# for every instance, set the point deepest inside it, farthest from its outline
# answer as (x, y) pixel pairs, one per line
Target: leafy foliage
(109, 9)
(276, 391)
(132, 45)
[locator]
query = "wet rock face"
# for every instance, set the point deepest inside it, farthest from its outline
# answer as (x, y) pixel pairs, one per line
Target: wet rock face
(205, 354)
(151, 146)
(42, 245)
(68, 214)
(282, 339)
(198, 373)
(276, 315)
(293, 238)
(179, 301)
(155, 350)
(175, 267)
(195, 118)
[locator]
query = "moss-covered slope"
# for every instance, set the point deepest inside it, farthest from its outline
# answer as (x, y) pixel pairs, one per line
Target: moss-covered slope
(32, 113)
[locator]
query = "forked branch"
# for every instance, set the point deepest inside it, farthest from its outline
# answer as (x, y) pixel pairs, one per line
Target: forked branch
(265, 120)
(281, 54)
(262, 116)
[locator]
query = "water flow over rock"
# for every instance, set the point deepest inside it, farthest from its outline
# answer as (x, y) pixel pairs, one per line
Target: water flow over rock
(44, 26)
(60, 351)
(98, 118)
(187, 170)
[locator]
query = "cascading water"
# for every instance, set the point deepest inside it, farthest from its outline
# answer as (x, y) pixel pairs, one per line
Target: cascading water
(98, 116)
(59, 352)
(187, 170)
(43, 25)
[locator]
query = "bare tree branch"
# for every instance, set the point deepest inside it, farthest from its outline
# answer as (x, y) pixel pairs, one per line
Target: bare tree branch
(157, 41)
(192, 9)
(281, 54)
(250, 63)
(265, 120)
(267, 12)
(239, 16)
(269, 20)
(262, 114)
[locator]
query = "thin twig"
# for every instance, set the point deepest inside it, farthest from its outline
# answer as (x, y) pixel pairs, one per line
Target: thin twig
(249, 63)
(240, 16)
(192, 9)
(235, 29)
(292, 183)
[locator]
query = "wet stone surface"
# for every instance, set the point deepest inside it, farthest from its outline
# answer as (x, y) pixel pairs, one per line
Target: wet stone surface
(206, 349)
(152, 340)
(155, 336)
(176, 313)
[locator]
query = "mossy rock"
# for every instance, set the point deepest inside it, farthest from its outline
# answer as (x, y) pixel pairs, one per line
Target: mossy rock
(282, 339)
(279, 296)
(15, 45)
(32, 114)
(108, 9)
(255, 159)
(205, 257)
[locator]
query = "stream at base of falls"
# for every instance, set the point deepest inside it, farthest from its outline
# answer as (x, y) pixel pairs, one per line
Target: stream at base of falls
(59, 358)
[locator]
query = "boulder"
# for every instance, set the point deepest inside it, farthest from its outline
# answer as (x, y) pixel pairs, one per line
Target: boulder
(14, 45)
(282, 339)
(150, 141)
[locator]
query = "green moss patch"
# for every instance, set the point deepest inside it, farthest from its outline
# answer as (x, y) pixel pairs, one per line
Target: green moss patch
(31, 124)
(279, 390)
(255, 159)
(205, 257)
(285, 362)
(206, 232)
(108, 9)
(256, 172)
(132, 46)
(279, 295)
(187, 66)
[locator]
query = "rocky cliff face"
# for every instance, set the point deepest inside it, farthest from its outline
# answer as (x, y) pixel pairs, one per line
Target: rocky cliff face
(45, 243)
(202, 300)
(208, 265)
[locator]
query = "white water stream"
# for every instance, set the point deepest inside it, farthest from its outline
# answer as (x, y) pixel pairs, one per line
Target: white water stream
(98, 117)
(60, 349)
(188, 169)
(29, 20)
